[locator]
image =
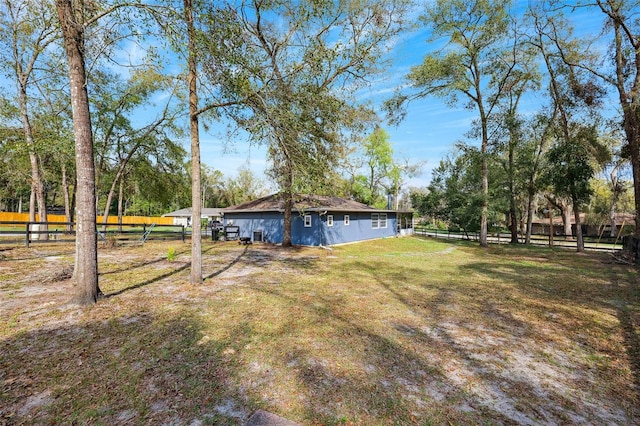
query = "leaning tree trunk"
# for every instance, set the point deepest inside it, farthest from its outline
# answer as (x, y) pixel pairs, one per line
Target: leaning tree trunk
(120, 200)
(530, 195)
(112, 190)
(37, 188)
(612, 215)
(86, 268)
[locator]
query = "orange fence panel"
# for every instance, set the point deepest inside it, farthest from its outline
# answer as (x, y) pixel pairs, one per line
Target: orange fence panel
(24, 217)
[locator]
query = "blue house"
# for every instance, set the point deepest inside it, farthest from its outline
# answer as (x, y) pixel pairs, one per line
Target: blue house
(316, 220)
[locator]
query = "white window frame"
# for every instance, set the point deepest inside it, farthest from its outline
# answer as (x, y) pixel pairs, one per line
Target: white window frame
(382, 221)
(346, 220)
(375, 220)
(329, 220)
(307, 221)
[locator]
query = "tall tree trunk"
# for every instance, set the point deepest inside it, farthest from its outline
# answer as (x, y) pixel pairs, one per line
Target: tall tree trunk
(632, 130)
(86, 268)
(287, 193)
(551, 225)
(513, 217)
(120, 200)
(579, 239)
(112, 190)
(530, 196)
(512, 196)
(32, 204)
(484, 228)
(484, 123)
(65, 196)
(38, 189)
(565, 212)
(288, 208)
(629, 98)
(72, 208)
(196, 237)
(615, 192)
(37, 186)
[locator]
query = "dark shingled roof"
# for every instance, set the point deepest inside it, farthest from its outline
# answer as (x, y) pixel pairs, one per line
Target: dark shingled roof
(302, 202)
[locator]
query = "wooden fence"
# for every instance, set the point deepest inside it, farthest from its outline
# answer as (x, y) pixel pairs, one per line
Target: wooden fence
(590, 243)
(126, 220)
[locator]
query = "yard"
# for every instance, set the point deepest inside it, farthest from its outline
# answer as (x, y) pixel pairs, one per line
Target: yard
(393, 331)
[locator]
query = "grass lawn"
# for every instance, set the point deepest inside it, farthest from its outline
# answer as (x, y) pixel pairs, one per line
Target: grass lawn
(387, 332)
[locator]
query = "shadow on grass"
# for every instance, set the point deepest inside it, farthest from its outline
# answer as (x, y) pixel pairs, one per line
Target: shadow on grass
(559, 289)
(149, 281)
(461, 315)
(133, 266)
(388, 381)
(229, 265)
(167, 274)
(129, 370)
(632, 342)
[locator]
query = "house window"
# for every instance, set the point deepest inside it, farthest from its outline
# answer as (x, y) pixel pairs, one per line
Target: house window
(375, 220)
(383, 220)
(330, 220)
(346, 220)
(307, 221)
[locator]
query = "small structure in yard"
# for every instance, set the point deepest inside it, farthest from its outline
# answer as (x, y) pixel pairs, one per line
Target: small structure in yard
(317, 220)
(183, 216)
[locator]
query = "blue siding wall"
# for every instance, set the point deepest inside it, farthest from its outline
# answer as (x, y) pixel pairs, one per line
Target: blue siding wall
(271, 225)
(359, 228)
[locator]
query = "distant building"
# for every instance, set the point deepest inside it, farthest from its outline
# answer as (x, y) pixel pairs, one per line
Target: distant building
(183, 216)
(316, 220)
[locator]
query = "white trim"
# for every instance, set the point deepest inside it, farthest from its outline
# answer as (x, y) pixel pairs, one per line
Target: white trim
(329, 220)
(380, 220)
(307, 221)
(347, 220)
(375, 220)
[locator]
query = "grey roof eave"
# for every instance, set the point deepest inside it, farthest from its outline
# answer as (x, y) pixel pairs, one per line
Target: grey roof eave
(318, 209)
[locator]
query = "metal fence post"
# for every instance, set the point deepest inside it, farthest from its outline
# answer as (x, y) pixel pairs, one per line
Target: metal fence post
(182, 226)
(27, 233)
